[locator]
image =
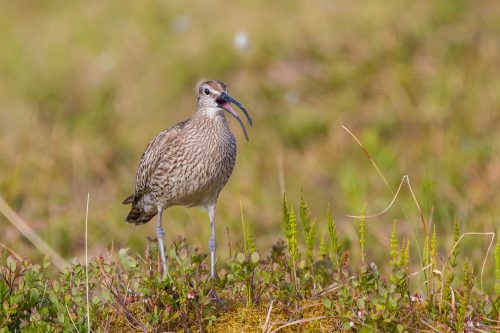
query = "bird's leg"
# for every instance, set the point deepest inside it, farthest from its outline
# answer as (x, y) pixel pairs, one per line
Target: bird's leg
(160, 234)
(211, 242)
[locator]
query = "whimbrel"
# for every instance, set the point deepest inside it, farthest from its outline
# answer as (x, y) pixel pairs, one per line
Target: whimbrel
(188, 164)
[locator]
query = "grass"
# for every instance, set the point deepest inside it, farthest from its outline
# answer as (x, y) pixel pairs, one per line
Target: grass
(85, 85)
(253, 292)
(416, 83)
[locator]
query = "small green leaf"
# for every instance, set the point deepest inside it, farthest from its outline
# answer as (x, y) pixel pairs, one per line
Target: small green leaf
(393, 304)
(126, 260)
(183, 253)
(327, 303)
(347, 325)
(11, 263)
(360, 303)
(255, 257)
(34, 294)
(53, 297)
(44, 311)
(240, 257)
(487, 308)
(46, 262)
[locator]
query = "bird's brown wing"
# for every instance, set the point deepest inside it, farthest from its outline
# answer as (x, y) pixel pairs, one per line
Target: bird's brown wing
(152, 157)
(148, 167)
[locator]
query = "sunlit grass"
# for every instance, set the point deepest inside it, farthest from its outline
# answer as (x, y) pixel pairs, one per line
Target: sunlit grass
(84, 86)
(319, 288)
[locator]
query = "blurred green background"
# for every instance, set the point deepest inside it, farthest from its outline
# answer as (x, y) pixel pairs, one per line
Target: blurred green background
(84, 86)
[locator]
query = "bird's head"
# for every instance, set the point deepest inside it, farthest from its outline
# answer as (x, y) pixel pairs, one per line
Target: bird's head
(213, 98)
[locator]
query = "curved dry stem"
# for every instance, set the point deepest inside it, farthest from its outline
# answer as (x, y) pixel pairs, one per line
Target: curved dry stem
(405, 179)
(266, 326)
(300, 321)
(69, 315)
(87, 261)
(30, 234)
(12, 252)
(422, 269)
(492, 234)
(395, 195)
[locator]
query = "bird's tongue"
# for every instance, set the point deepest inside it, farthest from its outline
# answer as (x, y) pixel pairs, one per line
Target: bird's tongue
(227, 106)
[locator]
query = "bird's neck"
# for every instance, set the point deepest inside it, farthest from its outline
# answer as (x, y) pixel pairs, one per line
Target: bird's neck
(210, 115)
(211, 119)
(210, 112)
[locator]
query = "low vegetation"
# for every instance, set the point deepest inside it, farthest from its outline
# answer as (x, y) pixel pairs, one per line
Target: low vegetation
(317, 289)
(84, 85)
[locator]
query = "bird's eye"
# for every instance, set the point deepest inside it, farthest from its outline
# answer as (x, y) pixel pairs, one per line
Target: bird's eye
(206, 91)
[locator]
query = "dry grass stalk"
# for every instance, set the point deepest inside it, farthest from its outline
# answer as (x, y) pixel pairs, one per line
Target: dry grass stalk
(30, 234)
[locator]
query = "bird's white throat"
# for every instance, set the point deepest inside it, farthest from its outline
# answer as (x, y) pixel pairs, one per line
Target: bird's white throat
(213, 112)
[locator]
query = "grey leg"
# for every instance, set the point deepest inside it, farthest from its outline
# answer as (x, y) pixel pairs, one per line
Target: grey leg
(160, 234)
(211, 242)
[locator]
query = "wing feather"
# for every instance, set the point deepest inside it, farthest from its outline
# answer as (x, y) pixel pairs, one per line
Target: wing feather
(153, 156)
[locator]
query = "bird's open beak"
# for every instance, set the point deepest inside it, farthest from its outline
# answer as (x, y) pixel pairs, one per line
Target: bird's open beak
(225, 101)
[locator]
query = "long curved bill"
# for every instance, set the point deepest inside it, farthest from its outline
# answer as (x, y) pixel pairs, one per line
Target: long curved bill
(225, 100)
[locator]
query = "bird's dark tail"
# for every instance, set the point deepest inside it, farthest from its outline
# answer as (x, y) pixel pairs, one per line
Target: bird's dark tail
(138, 215)
(128, 200)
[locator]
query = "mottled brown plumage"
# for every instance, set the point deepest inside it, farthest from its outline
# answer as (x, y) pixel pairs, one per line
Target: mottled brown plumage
(189, 163)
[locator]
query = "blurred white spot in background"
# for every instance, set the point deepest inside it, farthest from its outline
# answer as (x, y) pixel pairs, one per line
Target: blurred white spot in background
(98, 69)
(292, 97)
(105, 62)
(241, 41)
(180, 23)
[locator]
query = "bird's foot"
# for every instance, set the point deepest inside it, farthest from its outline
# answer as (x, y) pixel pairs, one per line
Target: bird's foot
(213, 284)
(213, 296)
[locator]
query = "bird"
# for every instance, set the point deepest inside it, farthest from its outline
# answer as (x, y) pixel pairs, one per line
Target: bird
(188, 164)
